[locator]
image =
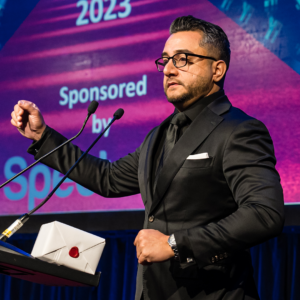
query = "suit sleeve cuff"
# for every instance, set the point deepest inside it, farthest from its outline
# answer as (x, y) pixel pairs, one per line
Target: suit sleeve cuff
(184, 248)
(36, 145)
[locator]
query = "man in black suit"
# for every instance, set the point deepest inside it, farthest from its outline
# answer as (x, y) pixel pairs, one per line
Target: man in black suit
(206, 175)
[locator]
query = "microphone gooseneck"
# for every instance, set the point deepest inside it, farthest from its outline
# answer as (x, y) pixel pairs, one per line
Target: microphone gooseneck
(22, 219)
(91, 109)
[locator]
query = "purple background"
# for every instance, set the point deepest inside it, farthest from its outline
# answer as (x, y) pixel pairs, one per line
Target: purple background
(48, 51)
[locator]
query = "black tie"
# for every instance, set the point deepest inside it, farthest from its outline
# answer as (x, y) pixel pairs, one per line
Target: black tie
(177, 122)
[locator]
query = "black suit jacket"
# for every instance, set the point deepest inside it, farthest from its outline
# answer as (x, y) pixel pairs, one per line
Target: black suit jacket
(216, 207)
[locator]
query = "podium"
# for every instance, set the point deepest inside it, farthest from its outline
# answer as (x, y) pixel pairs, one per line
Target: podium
(21, 265)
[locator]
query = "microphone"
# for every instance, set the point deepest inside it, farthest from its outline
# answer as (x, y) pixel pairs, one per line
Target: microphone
(91, 109)
(13, 228)
(119, 113)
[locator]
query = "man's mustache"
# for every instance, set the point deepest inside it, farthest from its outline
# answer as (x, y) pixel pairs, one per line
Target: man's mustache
(170, 81)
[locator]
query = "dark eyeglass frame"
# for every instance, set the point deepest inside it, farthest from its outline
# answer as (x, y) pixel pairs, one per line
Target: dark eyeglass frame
(174, 62)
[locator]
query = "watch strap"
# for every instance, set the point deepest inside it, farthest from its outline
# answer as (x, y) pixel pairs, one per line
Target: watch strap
(173, 245)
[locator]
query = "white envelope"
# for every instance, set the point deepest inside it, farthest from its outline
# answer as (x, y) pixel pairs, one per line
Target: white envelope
(198, 156)
(55, 240)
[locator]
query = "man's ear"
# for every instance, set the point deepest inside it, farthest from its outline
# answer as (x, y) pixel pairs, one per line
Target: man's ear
(219, 71)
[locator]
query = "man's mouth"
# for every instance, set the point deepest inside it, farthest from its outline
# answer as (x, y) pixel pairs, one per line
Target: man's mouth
(173, 83)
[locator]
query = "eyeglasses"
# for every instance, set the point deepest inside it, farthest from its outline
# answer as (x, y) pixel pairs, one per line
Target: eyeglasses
(179, 60)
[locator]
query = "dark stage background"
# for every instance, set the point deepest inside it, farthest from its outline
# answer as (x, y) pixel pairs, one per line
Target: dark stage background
(61, 54)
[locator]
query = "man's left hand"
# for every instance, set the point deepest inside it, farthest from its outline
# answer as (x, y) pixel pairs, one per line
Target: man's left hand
(152, 246)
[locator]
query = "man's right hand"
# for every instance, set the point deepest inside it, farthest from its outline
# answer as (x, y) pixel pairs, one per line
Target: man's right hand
(28, 120)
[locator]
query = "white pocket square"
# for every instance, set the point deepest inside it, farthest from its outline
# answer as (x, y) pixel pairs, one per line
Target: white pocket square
(198, 156)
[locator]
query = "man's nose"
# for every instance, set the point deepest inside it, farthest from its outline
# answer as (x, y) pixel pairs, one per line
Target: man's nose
(170, 69)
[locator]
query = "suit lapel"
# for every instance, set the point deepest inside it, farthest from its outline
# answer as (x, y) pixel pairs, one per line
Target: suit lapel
(197, 132)
(149, 155)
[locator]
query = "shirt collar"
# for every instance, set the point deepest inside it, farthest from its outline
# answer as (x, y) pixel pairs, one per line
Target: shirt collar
(196, 108)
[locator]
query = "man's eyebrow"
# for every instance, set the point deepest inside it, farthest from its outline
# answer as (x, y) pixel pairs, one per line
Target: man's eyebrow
(178, 51)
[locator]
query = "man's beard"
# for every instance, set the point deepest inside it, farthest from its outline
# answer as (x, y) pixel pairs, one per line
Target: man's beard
(192, 92)
(180, 98)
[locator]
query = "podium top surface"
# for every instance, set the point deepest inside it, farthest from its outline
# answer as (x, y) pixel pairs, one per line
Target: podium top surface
(38, 271)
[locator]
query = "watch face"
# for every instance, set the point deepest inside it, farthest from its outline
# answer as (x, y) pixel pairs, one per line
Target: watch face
(172, 240)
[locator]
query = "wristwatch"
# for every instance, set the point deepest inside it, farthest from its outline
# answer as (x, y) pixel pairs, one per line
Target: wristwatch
(173, 245)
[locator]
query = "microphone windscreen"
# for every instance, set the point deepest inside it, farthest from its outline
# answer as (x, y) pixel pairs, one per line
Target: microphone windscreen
(119, 113)
(92, 107)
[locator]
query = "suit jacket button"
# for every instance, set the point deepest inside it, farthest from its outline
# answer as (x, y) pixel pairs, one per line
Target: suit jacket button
(151, 219)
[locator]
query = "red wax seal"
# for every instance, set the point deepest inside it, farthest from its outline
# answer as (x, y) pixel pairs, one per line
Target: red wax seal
(74, 252)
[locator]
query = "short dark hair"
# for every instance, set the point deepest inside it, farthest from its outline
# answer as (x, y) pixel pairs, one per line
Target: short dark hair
(214, 35)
